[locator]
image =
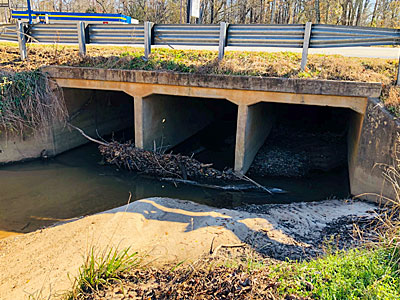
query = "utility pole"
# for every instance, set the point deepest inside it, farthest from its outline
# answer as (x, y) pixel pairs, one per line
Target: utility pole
(29, 11)
(188, 8)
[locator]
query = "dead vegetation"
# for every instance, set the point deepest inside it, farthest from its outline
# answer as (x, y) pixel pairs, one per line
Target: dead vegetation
(283, 64)
(28, 102)
(231, 273)
(161, 165)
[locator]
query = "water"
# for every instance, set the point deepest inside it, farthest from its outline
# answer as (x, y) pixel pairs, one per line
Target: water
(39, 193)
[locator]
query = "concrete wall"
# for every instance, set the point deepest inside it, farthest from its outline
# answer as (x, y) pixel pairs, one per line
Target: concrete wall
(378, 137)
(89, 109)
(15, 147)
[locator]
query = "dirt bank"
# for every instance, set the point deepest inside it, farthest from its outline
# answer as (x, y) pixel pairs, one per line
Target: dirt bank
(167, 231)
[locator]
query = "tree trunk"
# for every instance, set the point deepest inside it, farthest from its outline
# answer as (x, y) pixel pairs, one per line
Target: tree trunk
(327, 12)
(273, 12)
(212, 12)
(317, 12)
(374, 13)
(359, 12)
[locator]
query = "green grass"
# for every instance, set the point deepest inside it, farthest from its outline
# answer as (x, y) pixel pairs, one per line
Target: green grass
(102, 269)
(353, 274)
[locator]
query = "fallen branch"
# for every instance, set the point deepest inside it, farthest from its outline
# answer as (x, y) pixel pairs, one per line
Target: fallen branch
(88, 137)
(244, 177)
(214, 253)
(168, 166)
(238, 188)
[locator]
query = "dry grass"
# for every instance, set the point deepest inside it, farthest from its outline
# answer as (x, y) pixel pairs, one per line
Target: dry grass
(389, 220)
(283, 64)
(28, 102)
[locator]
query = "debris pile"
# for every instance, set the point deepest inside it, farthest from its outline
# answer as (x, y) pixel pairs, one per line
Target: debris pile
(192, 283)
(162, 165)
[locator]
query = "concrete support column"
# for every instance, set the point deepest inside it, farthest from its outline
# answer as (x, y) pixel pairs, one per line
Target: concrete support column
(253, 127)
(165, 121)
(138, 116)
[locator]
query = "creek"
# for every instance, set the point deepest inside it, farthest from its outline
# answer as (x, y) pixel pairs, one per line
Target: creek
(40, 193)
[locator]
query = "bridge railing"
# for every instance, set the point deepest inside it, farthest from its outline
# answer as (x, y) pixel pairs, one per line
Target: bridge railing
(221, 35)
(8, 33)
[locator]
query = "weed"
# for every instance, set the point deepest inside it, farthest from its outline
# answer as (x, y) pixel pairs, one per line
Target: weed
(99, 270)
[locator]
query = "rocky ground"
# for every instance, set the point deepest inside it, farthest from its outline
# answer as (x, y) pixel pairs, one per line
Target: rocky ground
(292, 152)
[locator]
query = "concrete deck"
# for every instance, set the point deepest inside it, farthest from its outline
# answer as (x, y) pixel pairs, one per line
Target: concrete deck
(159, 115)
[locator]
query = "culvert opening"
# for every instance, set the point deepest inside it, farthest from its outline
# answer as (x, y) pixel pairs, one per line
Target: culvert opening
(101, 113)
(215, 142)
(307, 144)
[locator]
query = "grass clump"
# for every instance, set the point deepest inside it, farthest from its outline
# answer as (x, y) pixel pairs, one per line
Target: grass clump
(100, 270)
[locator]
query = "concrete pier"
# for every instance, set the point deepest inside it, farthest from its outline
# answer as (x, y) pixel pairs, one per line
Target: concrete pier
(253, 126)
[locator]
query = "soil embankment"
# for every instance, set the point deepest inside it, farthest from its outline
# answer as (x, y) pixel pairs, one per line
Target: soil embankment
(168, 231)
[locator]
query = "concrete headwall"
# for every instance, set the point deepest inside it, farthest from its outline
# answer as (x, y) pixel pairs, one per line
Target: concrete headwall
(378, 137)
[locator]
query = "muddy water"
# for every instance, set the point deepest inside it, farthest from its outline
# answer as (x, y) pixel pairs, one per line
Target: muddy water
(40, 193)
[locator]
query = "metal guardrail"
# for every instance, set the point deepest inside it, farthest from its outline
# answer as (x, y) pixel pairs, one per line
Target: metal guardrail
(187, 34)
(54, 33)
(303, 36)
(291, 36)
(8, 33)
(115, 34)
(325, 36)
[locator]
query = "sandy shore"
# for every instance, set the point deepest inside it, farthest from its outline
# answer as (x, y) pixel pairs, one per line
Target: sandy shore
(167, 231)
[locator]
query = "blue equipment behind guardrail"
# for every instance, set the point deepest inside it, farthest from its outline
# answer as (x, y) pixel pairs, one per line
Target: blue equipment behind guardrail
(68, 16)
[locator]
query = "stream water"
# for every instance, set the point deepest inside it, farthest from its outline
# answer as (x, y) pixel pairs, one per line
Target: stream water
(40, 193)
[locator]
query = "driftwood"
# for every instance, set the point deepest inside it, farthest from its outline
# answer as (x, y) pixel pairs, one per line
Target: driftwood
(228, 187)
(169, 166)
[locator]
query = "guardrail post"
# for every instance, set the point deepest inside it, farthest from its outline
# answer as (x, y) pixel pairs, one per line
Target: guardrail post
(82, 38)
(21, 40)
(306, 45)
(147, 38)
(398, 74)
(223, 30)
